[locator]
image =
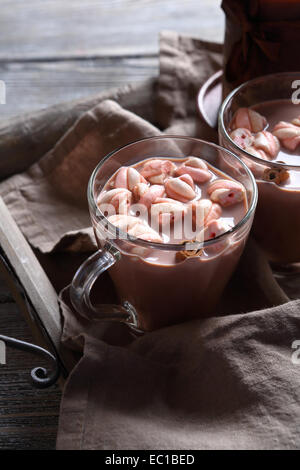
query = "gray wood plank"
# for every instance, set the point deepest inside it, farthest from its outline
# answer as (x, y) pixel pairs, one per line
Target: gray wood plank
(73, 28)
(36, 85)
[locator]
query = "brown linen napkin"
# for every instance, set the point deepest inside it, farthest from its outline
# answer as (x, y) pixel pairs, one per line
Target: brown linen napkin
(49, 200)
(222, 383)
(185, 64)
(121, 394)
(25, 139)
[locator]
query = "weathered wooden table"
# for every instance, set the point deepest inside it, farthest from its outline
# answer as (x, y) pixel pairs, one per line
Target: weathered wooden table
(51, 51)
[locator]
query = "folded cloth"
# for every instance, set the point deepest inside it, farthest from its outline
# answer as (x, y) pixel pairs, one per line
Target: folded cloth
(222, 383)
(226, 382)
(49, 199)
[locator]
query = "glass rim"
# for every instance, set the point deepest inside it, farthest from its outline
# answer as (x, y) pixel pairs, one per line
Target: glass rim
(225, 134)
(169, 246)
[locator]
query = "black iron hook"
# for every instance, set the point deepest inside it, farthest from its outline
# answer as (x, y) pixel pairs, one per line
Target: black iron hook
(39, 375)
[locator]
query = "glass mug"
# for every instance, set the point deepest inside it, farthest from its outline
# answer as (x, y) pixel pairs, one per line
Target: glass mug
(276, 225)
(154, 289)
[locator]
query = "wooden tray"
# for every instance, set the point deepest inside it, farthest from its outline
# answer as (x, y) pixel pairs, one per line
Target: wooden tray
(36, 298)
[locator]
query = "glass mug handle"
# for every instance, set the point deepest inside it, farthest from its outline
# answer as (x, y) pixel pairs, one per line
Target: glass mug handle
(82, 284)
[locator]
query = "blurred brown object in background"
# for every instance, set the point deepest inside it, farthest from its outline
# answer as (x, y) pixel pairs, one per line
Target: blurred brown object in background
(261, 37)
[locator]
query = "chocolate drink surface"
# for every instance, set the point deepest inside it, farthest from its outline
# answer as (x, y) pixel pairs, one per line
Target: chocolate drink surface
(278, 210)
(277, 222)
(276, 111)
(172, 201)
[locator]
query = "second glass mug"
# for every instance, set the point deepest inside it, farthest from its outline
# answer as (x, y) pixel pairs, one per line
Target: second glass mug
(155, 290)
(276, 225)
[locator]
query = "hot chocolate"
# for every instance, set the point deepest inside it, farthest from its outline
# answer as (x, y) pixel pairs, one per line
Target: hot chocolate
(170, 230)
(172, 201)
(276, 138)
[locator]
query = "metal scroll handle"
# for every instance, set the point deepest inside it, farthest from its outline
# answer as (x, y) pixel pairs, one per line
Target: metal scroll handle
(39, 375)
